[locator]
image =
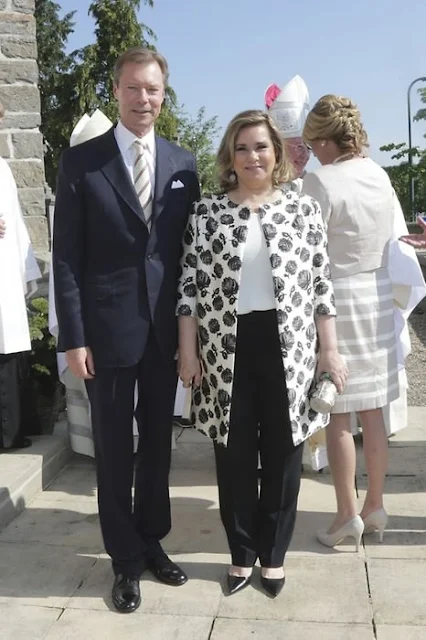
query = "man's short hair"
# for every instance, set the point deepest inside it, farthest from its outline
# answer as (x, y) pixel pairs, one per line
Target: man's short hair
(141, 55)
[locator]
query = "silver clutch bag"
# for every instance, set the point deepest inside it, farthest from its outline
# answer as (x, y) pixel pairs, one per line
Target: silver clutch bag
(324, 395)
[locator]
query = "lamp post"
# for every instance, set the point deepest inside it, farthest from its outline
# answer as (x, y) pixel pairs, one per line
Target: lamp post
(410, 154)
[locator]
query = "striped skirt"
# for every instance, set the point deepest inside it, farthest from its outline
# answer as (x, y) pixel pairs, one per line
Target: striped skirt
(366, 339)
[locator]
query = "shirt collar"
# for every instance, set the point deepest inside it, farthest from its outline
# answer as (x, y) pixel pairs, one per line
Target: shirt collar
(126, 138)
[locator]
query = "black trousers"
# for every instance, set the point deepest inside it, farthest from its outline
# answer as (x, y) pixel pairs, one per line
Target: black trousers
(16, 401)
(258, 524)
(132, 529)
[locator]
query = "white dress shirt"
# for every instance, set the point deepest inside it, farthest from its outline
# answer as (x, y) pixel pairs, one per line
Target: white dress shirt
(125, 140)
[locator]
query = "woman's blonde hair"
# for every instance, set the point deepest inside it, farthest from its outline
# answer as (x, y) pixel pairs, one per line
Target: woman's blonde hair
(283, 171)
(338, 119)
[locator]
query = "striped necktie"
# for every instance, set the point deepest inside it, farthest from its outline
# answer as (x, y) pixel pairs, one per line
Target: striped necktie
(142, 181)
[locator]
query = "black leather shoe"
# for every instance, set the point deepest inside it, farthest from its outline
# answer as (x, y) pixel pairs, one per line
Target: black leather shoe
(272, 586)
(126, 594)
(167, 571)
(237, 583)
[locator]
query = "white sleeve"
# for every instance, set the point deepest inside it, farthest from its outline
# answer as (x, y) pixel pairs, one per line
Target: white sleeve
(312, 186)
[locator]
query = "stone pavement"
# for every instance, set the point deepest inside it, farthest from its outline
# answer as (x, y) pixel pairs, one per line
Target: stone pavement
(55, 580)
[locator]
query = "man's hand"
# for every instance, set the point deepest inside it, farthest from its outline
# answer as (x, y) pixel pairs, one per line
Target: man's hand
(2, 228)
(417, 240)
(80, 362)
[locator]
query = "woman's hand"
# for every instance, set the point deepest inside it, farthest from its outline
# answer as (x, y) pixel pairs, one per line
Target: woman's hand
(331, 362)
(189, 370)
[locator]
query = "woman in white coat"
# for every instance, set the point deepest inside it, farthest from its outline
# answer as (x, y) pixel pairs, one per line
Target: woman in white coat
(18, 266)
(255, 301)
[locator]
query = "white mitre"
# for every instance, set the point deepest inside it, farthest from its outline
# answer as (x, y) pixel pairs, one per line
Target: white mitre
(290, 108)
(89, 127)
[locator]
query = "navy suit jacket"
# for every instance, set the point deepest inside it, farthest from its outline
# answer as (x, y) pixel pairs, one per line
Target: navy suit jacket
(114, 279)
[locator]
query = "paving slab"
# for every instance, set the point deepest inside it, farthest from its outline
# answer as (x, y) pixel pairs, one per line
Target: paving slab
(392, 632)
(316, 590)
(405, 535)
(76, 482)
(189, 435)
(190, 484)
(72, 524)
(224, 629)
(40, 575)
(196, 455)
(404, 460)
(398, 589)
(199, 596)
(316, 510)
(415, 432)
(196, 528)
(26, 623)
(103, 625)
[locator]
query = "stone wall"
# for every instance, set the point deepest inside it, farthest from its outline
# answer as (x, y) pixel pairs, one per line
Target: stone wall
(20, 139)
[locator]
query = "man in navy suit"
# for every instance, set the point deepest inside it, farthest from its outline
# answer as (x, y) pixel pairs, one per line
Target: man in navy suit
(122, 204)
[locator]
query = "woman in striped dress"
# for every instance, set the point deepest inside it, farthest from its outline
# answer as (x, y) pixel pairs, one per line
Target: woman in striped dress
(357, 202)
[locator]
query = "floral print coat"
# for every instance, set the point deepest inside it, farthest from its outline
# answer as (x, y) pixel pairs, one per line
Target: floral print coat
(213, 251)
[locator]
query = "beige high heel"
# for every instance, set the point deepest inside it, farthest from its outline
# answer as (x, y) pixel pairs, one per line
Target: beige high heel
(376, 521)
(354, 528)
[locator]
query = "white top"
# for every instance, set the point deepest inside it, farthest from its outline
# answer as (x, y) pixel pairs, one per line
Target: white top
(256, 289)
(356, 199)
(125, 140)
(17, 267)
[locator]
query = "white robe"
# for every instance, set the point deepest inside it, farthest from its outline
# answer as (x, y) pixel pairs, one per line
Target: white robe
(18, 266)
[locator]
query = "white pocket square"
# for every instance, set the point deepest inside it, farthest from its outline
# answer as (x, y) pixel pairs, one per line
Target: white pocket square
(177, 184)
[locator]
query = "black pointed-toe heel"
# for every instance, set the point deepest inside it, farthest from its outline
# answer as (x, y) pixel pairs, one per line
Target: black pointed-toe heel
(237, 583)
(272, 586)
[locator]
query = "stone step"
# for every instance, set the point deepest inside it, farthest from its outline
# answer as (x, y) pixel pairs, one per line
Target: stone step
(24, 473)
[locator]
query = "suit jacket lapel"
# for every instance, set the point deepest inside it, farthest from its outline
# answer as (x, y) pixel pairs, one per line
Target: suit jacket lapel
(117, 174)
(164, 168)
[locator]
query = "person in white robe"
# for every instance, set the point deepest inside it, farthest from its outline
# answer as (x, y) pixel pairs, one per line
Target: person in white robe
(409, 289)
(78, 406)
(289, 107)
(18, 271)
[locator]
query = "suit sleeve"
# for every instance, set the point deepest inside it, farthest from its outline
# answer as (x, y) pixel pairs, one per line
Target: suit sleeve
(68, 258)
(187, 285)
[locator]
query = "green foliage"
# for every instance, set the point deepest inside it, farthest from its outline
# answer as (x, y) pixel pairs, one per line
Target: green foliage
(81, 82)
(198, 135)
(401, 175)
(55, 83)
(43, 347)
(116, 29)
(71, 85)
